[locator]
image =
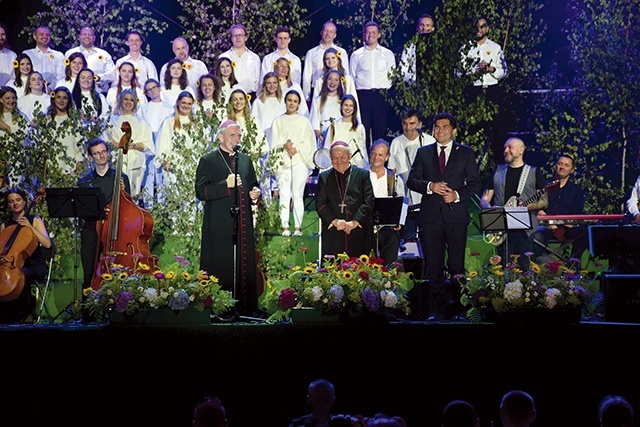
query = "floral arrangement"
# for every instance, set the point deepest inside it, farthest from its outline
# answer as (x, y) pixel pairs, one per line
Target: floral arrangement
(341, 285)
(177, 287)
(547, 286)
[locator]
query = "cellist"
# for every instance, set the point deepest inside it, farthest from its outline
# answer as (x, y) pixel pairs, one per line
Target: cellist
(22, 308)
(101, 176)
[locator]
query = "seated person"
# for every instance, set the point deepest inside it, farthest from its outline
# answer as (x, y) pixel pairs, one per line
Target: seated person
(566, 198)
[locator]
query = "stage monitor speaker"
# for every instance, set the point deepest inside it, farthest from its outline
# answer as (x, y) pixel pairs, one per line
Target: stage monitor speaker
(621, 294)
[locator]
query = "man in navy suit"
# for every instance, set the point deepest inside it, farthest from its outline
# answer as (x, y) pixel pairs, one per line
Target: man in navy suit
(446, 174)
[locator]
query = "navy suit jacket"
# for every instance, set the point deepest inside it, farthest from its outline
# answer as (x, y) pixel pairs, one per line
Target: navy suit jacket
(461, 174)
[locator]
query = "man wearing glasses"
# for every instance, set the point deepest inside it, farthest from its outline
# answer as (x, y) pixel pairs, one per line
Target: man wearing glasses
(484, 62)
(246, 64)
(101, 176)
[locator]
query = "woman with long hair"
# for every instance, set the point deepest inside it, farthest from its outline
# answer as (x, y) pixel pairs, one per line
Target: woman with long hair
(332, 60)
(270, 103)
(349, 129)
(224, 70)
(238, 111)
(175, 81)
(22, 67)
(36, 94)
(210, 96)
(22, 308)
(88, 100)
(67, 132)
(293, 145)
(140, 144)
(72, 67)
(325, 107)
(11, 118)
(127, 79)
(282, 68)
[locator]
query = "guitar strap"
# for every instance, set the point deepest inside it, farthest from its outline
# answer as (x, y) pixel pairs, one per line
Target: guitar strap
(523, 179)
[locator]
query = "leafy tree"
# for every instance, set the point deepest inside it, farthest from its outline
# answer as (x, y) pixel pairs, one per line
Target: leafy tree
(207, 23)
(111, 20)
(598, 117)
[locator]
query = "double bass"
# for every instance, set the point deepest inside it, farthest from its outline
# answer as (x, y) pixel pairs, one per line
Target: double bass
(18, 243)
(125, 232)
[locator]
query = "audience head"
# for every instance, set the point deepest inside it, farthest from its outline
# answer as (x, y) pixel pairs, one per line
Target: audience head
(96, 151)
(3, 36)
(8, 99)
(61, 101)
(383, 420)
(180, 48)
(224, 70)
(238, 34)
(210, 413)
(152, 89)
(513, 150)
(328, 33)
(24, 68)
(134, 40)
(459, 413)
(615, 411)
(517, 409)
(411, 123)
(127, 102)
(87, 36)
(321, 395)
(565, 166)
(209, 87)
(175, 70)
(283, 37)
(74, 64)
(426, 24)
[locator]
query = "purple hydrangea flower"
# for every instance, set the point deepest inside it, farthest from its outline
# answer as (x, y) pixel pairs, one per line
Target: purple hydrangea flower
(180, 301)
(370, 298)
(122, 301)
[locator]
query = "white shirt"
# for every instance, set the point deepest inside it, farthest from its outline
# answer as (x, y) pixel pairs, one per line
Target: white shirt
(100, 62)
(170, 96)
(320, 118)
(247, 68)
(49, 63)
(295, 65)
(298, 129)
(381, 185)
(19, 90)
(490, 52)
(402, 154)
(195, 69)
(27, 104)
(313, 66)
(6, 65)
(145, 68)
(265, 112)
(371, 67)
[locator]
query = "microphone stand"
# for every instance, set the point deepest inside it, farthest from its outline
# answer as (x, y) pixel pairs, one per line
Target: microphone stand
(235, 213)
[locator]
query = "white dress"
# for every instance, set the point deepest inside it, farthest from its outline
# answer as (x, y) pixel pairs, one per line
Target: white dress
(320, 119)
(134, 162)
(170, 96)
(27, 104)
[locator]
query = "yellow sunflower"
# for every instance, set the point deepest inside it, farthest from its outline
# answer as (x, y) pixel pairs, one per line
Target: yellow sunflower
(15, 63)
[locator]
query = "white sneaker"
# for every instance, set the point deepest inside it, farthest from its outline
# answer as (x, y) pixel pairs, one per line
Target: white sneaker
(286, 233)
(297, 233)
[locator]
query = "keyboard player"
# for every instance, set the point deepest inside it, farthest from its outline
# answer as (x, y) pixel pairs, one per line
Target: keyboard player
(567, 198)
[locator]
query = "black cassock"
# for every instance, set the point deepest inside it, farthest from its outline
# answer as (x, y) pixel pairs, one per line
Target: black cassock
(347, 196)
(216, 250)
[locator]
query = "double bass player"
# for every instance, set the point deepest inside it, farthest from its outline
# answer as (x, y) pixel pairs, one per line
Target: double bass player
(102, 176)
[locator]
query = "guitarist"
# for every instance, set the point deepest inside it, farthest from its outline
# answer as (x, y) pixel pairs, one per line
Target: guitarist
(512, 181)
(565, 199)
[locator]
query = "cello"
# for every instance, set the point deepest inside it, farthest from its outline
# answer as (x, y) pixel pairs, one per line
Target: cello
(18, 244)
(125, 232)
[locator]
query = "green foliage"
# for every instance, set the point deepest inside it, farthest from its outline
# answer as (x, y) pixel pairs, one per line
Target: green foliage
(207, 23)
(512, 25)
(111, 20)
(597, 120)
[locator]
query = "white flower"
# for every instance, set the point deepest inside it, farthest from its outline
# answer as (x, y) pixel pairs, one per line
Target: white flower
(389, 298)
(513, 290)
(551, 297)
(317, 293)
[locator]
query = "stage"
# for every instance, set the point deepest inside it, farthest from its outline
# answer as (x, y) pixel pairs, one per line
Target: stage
(104, 375)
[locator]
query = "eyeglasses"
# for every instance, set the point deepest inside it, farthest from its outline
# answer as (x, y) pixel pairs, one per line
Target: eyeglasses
(99, 153)
(237, 36)
(151, 89)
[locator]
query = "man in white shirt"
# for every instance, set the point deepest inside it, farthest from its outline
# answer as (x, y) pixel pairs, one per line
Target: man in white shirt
(145, 68)
(402, 154)
(313, 60)
(247, 63)
(283, 38)
(194, 67)
(98, 60)
(370, 67)
(7, 56)
(412, 56)
(49, 62)
(385, 183)
(483, 59)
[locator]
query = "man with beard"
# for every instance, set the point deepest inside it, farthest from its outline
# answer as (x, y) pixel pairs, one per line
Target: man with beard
(7, 56)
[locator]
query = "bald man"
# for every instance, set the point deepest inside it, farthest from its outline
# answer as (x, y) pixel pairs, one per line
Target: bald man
(514, 182)
(195, 68)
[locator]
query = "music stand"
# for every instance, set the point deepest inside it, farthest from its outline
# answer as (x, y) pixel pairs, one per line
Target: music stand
(76, 203)
(387, 212)
(504, 219)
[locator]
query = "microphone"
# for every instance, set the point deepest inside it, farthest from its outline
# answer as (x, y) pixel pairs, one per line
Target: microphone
(357, 151)
(237, 148)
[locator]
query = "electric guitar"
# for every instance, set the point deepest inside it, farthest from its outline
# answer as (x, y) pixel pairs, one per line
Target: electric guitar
(498, 237)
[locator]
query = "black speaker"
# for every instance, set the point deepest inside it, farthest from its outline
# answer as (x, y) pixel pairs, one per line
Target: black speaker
(621, 294)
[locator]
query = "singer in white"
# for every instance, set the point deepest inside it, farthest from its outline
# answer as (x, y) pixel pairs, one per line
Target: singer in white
(226, 181)
(293, 143)
(446, 174)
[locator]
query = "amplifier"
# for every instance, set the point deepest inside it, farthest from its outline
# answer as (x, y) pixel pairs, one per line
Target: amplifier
(621, 294)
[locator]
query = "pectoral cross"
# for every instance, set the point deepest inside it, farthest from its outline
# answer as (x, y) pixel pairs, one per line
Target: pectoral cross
(342, 206)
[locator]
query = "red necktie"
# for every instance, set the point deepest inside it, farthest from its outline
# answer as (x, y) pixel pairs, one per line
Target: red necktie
(441, 159)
